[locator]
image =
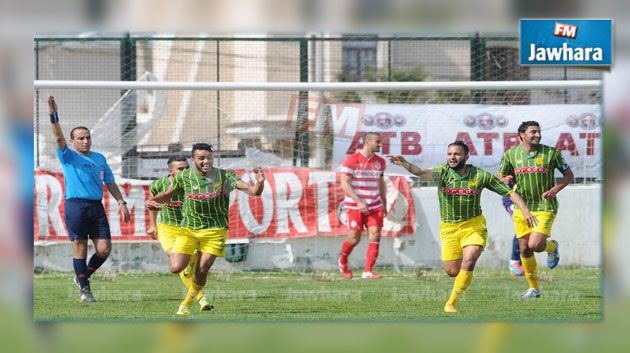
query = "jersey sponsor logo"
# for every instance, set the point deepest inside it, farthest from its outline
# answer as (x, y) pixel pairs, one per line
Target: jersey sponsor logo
(460, 191)
(204, 196)
(530, 170)
(366, 173)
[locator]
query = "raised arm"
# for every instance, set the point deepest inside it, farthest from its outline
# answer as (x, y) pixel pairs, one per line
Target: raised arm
(426, 174)
(54, 120)
(253, 189)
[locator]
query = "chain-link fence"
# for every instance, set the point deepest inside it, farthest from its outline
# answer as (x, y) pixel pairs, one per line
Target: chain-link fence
(146, 127)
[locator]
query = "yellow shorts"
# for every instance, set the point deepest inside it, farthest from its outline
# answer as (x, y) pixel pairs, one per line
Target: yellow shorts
(545, 221)
(167, 235)
(210, 241)
(455, 236)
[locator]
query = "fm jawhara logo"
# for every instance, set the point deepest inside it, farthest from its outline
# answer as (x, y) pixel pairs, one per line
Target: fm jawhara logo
(566, 42)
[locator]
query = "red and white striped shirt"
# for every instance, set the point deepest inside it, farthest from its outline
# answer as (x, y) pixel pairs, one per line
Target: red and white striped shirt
(365, 174)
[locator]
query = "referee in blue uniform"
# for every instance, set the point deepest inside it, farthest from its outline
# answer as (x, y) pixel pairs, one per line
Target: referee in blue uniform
(85, 172)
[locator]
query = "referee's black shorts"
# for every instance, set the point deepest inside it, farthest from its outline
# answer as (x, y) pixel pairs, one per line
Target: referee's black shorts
(86, 218)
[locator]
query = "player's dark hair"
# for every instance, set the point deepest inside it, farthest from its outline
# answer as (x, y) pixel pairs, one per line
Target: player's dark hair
(525, 124)
(201, 146)
(371, 133)
(78, 128)
(461, 144)
(176, 159)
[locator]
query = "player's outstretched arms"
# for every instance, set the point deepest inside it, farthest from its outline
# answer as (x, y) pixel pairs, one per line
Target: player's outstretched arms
(426, 174)
(255, 189)
(54, 120)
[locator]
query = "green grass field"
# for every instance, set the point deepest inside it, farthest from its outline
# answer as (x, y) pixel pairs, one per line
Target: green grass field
(568, 295)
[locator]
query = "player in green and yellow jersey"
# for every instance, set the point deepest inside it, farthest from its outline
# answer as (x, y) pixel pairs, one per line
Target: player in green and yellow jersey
(206, 194)
(532, 165)
(168, 228)
(463, 231)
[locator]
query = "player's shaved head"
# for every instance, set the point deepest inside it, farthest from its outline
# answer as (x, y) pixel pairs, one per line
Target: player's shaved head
(370, 136)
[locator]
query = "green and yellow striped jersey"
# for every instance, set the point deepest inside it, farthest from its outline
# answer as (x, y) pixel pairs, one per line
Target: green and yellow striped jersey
(460, 196)
(206, 201)
(534, 174)
(171, 212)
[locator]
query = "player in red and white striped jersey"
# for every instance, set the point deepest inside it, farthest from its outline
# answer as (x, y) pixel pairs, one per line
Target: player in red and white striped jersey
(363, 184)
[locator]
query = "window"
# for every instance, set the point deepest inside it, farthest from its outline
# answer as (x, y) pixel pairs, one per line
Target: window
(359, 60)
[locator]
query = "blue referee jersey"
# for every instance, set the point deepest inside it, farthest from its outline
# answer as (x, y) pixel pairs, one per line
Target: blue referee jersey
(84, 175)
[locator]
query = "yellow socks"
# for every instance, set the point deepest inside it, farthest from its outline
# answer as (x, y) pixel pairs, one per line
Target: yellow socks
(185, 280)
(188, 274)
(529, 265)
(551, 246)
(193, 290)
(462, 281)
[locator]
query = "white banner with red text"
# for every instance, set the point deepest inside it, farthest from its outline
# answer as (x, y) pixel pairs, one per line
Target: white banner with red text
(422, 133)
(296, 202)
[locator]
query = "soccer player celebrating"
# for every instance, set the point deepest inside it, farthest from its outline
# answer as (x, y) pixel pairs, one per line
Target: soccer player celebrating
(463, 230)
(534, 164)
(85, 172)
(206, 192)
(364, 187)
(168, 227)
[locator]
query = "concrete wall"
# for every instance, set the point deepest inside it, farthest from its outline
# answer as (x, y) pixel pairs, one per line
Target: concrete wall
(577, 228)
